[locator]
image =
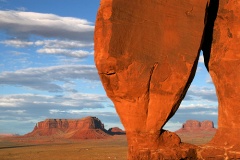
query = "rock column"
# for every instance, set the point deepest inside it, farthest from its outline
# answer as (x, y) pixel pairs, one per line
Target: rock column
(146, 53)
(223, 62)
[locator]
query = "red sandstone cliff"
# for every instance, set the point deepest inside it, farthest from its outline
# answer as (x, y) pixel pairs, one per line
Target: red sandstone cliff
(85, 128)
(146, 53)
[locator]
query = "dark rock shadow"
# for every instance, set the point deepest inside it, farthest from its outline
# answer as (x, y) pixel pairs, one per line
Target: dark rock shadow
(210, 17)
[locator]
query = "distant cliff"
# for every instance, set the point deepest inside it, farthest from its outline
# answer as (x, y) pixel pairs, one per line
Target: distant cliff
(196, 126)
(85, 128)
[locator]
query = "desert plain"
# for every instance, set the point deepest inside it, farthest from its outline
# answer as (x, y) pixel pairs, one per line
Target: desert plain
(51, 148)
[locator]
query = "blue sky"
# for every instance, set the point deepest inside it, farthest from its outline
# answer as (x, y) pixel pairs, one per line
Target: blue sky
(47, 68)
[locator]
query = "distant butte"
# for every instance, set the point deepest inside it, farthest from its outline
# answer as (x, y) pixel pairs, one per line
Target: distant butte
(85, 128)
(116, 131)
(196, 132)
(196, 126)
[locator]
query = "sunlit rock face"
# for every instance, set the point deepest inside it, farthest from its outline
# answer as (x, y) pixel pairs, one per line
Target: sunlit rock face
(146, 53)
(223, 61)
(224, 66)
(85, 128)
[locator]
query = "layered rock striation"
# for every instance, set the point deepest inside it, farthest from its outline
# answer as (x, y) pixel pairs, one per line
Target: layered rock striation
(197, 126)
(85, 128)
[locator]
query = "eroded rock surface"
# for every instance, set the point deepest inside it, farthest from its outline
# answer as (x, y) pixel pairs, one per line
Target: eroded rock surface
(224, 66)
(85, 128)
(146, 53)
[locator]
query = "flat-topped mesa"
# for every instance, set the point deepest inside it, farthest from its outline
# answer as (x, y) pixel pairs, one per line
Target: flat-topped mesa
(207, 125)
(85, 128)
(191, 125)
(197, 126)
(53, 123)
(146, 53)
(64, 124)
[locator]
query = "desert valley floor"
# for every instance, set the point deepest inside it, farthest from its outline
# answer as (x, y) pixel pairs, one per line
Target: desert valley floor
(50, 148)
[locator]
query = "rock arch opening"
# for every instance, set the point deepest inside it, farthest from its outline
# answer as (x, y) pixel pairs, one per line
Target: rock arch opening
(199, 105)
(200, 102)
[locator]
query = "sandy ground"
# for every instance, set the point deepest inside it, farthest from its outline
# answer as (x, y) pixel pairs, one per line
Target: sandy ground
(48, 148)
(51, 148)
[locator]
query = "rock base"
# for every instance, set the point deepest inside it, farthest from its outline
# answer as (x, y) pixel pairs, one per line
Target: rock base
(166, 145)
(187, 152)
(208, 152)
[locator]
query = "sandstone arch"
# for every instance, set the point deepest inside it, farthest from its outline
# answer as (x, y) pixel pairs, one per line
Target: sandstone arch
(223, 64)
(146, 53)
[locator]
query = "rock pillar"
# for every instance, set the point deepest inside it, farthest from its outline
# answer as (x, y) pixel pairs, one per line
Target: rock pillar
(223, 61)
(146, 53)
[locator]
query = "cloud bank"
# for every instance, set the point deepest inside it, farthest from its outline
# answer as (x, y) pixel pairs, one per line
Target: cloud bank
(46, 78)
(24, 24)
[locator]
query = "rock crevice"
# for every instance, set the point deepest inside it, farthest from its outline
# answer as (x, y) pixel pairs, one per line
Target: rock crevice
(211, 15)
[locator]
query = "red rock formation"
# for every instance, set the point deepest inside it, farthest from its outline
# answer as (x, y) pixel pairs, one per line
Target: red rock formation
(146, 53)
(196, 126)
(224, 69)
(207, 125)
(222, 59)
(85, 128)
(116, 131)
(192, 125)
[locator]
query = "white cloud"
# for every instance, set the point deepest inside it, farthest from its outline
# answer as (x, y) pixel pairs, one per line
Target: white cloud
(205, 113)
(63, 44)
(82, 111)
(172, 126)
(17, 43)
(66, 52)
(209, 80)
(198, 105)
(201, 93)
(23, 24)
(57, 47)
(75, 100)
(16, 112)
(9, 101)
(45, 78)
(199, 69)
(201, 59)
